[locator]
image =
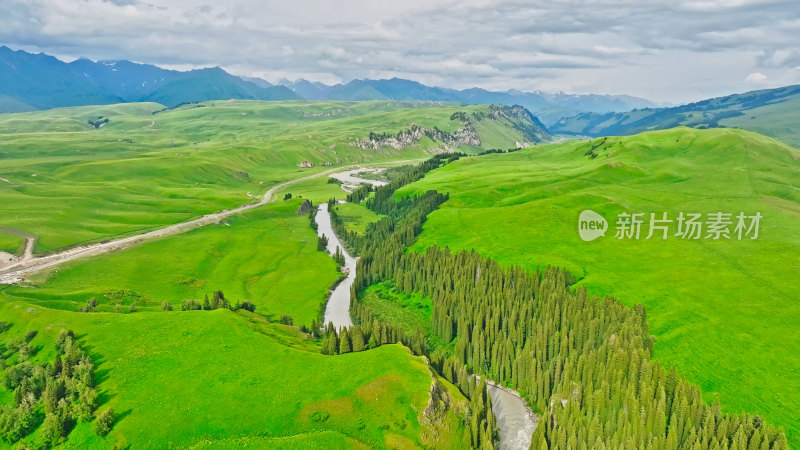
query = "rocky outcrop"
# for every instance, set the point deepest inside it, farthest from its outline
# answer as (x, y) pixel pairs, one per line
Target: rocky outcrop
(405, 138)
(305, 164)
(514, 117)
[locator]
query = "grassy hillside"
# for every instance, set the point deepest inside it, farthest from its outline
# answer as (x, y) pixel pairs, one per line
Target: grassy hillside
(721, 310)
(773, 112)
(217, 379)
(268, 256)
(70, 183)
(778, 120)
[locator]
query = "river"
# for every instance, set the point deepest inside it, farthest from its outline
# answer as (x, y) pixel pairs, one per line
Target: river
(516, 422)
(337, 311)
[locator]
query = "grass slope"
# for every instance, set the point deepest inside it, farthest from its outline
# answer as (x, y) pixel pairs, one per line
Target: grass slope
(356, 217)
(69, 183)
(723, 311)
(214, 379)
(268, 255)
(11, 243)
(778, 120)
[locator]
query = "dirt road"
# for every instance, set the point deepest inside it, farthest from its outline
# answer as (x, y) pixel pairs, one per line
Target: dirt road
(16, 272)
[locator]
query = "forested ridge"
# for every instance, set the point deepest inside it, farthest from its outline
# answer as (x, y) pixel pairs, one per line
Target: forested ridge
(582, 362)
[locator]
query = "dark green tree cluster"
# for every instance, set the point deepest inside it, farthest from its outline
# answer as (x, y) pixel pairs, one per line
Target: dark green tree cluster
(98, 122)
(350, 239)
(322, 243)
(497, 150)
(382, 201)
(91, 305)
(287, 319)
(370, 333)
(312, 219)
(217, 301)
(360, 193)
(583, 362)
(338, 256)
(54, 395)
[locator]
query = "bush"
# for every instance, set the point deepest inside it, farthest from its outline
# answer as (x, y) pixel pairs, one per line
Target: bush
(91, 305)
(287, 319)
(247, 305)
(166, 306)
(191, 305)
(104, 422)
(30, 334)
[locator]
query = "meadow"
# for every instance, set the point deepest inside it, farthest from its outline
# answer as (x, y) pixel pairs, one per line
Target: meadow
(267, 255)
(216, 379)
(68, 183)
(722, 311)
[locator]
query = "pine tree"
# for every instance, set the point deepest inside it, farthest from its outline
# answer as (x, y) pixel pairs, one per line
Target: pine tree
(358, 338)
(344, 342)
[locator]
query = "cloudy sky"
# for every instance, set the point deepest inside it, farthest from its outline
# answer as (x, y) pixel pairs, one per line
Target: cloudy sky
(673, 51)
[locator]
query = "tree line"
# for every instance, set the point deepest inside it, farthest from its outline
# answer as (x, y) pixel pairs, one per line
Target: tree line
(217, 301)
(582, 362)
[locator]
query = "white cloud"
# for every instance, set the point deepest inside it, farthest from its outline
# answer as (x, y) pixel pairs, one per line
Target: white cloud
(668, 50)
(756, 77)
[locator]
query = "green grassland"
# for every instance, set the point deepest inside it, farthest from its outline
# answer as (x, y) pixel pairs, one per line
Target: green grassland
(778, 120)
(11, 243)
(267, 255)
(214, 379)
(405, 311)
(356, 217)
(724, 312)
(69, 183)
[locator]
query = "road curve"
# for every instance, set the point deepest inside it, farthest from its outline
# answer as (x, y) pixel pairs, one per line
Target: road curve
(16, 272)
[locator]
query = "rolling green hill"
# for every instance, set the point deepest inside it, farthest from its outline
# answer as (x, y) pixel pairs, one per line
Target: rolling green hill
(67, 182)
(220, 379)
(721, 310)
(773, 112)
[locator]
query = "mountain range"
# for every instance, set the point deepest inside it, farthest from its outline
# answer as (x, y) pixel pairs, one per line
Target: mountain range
(548, 107)
(774, 112)
(39, 81)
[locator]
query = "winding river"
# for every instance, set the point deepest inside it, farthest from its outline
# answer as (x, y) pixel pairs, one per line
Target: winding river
(514, 419)
(337, 311)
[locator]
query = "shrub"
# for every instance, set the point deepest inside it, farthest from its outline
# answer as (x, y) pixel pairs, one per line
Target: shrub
(104, 422)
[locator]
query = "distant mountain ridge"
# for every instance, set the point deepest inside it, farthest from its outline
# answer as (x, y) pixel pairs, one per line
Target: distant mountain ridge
(38, 81)
(762, 111)
(548, 107)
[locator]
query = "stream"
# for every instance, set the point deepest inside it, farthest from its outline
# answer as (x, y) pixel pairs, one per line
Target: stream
(515, 420)
(337, 311)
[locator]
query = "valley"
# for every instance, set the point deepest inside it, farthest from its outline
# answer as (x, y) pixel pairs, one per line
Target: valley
(138, 270)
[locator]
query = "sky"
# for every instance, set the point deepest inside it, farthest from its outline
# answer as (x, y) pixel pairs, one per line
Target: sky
(667, 51)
